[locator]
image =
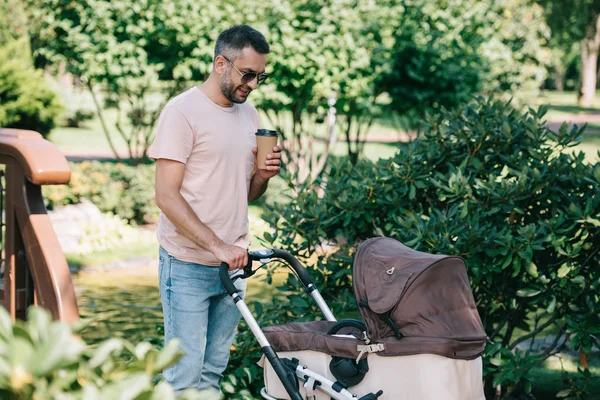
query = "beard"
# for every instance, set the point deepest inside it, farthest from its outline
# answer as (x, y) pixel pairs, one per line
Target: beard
(229, 90)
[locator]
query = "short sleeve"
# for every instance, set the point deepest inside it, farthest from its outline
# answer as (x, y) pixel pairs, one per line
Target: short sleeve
(174, 138)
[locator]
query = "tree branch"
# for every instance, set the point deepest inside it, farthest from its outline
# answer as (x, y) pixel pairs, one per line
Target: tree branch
(534, 333)
(554, 349)
(101, 118)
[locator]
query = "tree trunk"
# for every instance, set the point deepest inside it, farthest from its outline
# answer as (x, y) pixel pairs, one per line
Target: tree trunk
(559, 78)
(589, 62)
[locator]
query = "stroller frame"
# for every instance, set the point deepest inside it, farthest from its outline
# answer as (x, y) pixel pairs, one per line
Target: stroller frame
(286, 370)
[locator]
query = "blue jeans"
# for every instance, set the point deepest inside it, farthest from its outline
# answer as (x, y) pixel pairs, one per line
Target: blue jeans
(202, 316)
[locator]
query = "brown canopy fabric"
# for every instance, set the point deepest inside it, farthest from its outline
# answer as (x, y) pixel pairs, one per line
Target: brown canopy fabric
(427, 298)
(411, 302)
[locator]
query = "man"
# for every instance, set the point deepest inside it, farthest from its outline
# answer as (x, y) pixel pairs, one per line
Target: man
(205, 176)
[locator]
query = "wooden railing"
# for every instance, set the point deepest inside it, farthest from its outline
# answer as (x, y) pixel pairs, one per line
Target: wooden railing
(34, 268)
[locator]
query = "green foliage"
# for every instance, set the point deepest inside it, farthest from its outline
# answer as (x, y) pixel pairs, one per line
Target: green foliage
(515, 47)
(485, 183)
(570, 22)
(433, 63)
(126, 191)
(569, 19)
(26, 101)
(444, 52)
(318, 49)
(12, 21)
(138, 54)
(42, 359)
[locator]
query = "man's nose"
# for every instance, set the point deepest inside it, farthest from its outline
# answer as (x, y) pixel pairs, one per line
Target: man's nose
(253, 83)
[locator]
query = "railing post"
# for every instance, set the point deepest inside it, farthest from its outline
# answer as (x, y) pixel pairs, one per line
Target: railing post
(35, 269)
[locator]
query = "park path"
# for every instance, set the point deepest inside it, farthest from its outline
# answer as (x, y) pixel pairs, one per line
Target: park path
(373, 137)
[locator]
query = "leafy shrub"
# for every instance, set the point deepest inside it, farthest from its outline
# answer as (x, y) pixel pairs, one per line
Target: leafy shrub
(42, 359)
(26, 100)
(487, 184)
(109, 233)
(127, 191)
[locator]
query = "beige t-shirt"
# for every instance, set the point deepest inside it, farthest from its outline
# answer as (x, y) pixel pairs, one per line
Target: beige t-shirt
(215, 144)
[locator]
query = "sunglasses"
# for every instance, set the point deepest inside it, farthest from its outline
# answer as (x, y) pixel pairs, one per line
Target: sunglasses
(248, 77)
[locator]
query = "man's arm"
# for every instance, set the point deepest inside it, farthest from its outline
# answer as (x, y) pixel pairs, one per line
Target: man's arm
(169, 177)
(260, 178)
(258, 186)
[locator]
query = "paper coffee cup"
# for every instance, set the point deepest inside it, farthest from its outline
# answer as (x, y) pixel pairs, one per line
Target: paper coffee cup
(266, 139)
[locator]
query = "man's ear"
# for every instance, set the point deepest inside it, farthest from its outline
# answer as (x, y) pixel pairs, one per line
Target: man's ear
(220, 65)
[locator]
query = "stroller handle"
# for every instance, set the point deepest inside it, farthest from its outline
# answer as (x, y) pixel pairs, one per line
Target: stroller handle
(264, 255)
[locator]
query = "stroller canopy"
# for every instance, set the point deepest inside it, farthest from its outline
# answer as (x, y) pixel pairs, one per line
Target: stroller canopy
(410, 302)
(416, 302)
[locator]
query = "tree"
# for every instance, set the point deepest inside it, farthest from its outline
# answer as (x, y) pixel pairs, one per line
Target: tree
(137, 54)
(26, 100)
(319, 49)
(444, 52)
(574, 21)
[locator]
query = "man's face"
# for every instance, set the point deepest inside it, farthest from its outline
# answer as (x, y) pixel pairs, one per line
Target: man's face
(231, 81)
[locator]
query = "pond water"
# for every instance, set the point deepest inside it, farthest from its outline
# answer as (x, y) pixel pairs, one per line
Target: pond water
(122, 304)
(126, 303)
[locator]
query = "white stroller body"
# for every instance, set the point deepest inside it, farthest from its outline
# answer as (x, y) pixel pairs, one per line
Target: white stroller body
(420, 336)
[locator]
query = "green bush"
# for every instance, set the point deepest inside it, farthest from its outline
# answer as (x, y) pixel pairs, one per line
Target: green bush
(26, 100)
(42, 359)
(487, 184)
(124, 190)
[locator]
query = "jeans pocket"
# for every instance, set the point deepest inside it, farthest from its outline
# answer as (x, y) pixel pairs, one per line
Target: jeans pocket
(164, 271)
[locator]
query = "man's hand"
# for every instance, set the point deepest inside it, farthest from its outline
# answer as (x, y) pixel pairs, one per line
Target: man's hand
(273, 163)
(235, 256)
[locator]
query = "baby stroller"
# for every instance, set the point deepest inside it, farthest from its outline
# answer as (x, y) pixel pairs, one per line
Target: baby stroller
(420, 336)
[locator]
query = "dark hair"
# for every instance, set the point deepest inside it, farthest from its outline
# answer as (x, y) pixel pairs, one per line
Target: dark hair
(235, 39)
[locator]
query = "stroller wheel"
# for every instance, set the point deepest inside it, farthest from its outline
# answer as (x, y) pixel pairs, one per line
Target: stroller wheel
(346, 370)
(347, 323)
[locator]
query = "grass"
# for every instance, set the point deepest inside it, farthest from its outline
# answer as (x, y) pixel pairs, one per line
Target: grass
(548, 379)
(126, 303)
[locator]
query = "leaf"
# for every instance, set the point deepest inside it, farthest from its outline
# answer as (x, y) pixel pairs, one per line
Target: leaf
(532, 270)
(104, 351)
(168, 355)
(90, 392)
(528, 292)
(163, 391)
(141, 349)
(52, 354)
(564, 393)
(464, 210)
(552, 306)
(498, 362)
(228, 387)
(579, 280)
(39, 321)
(563, 271)
(507, 261)
(21, 352)
(128, 388)
(6, 324)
